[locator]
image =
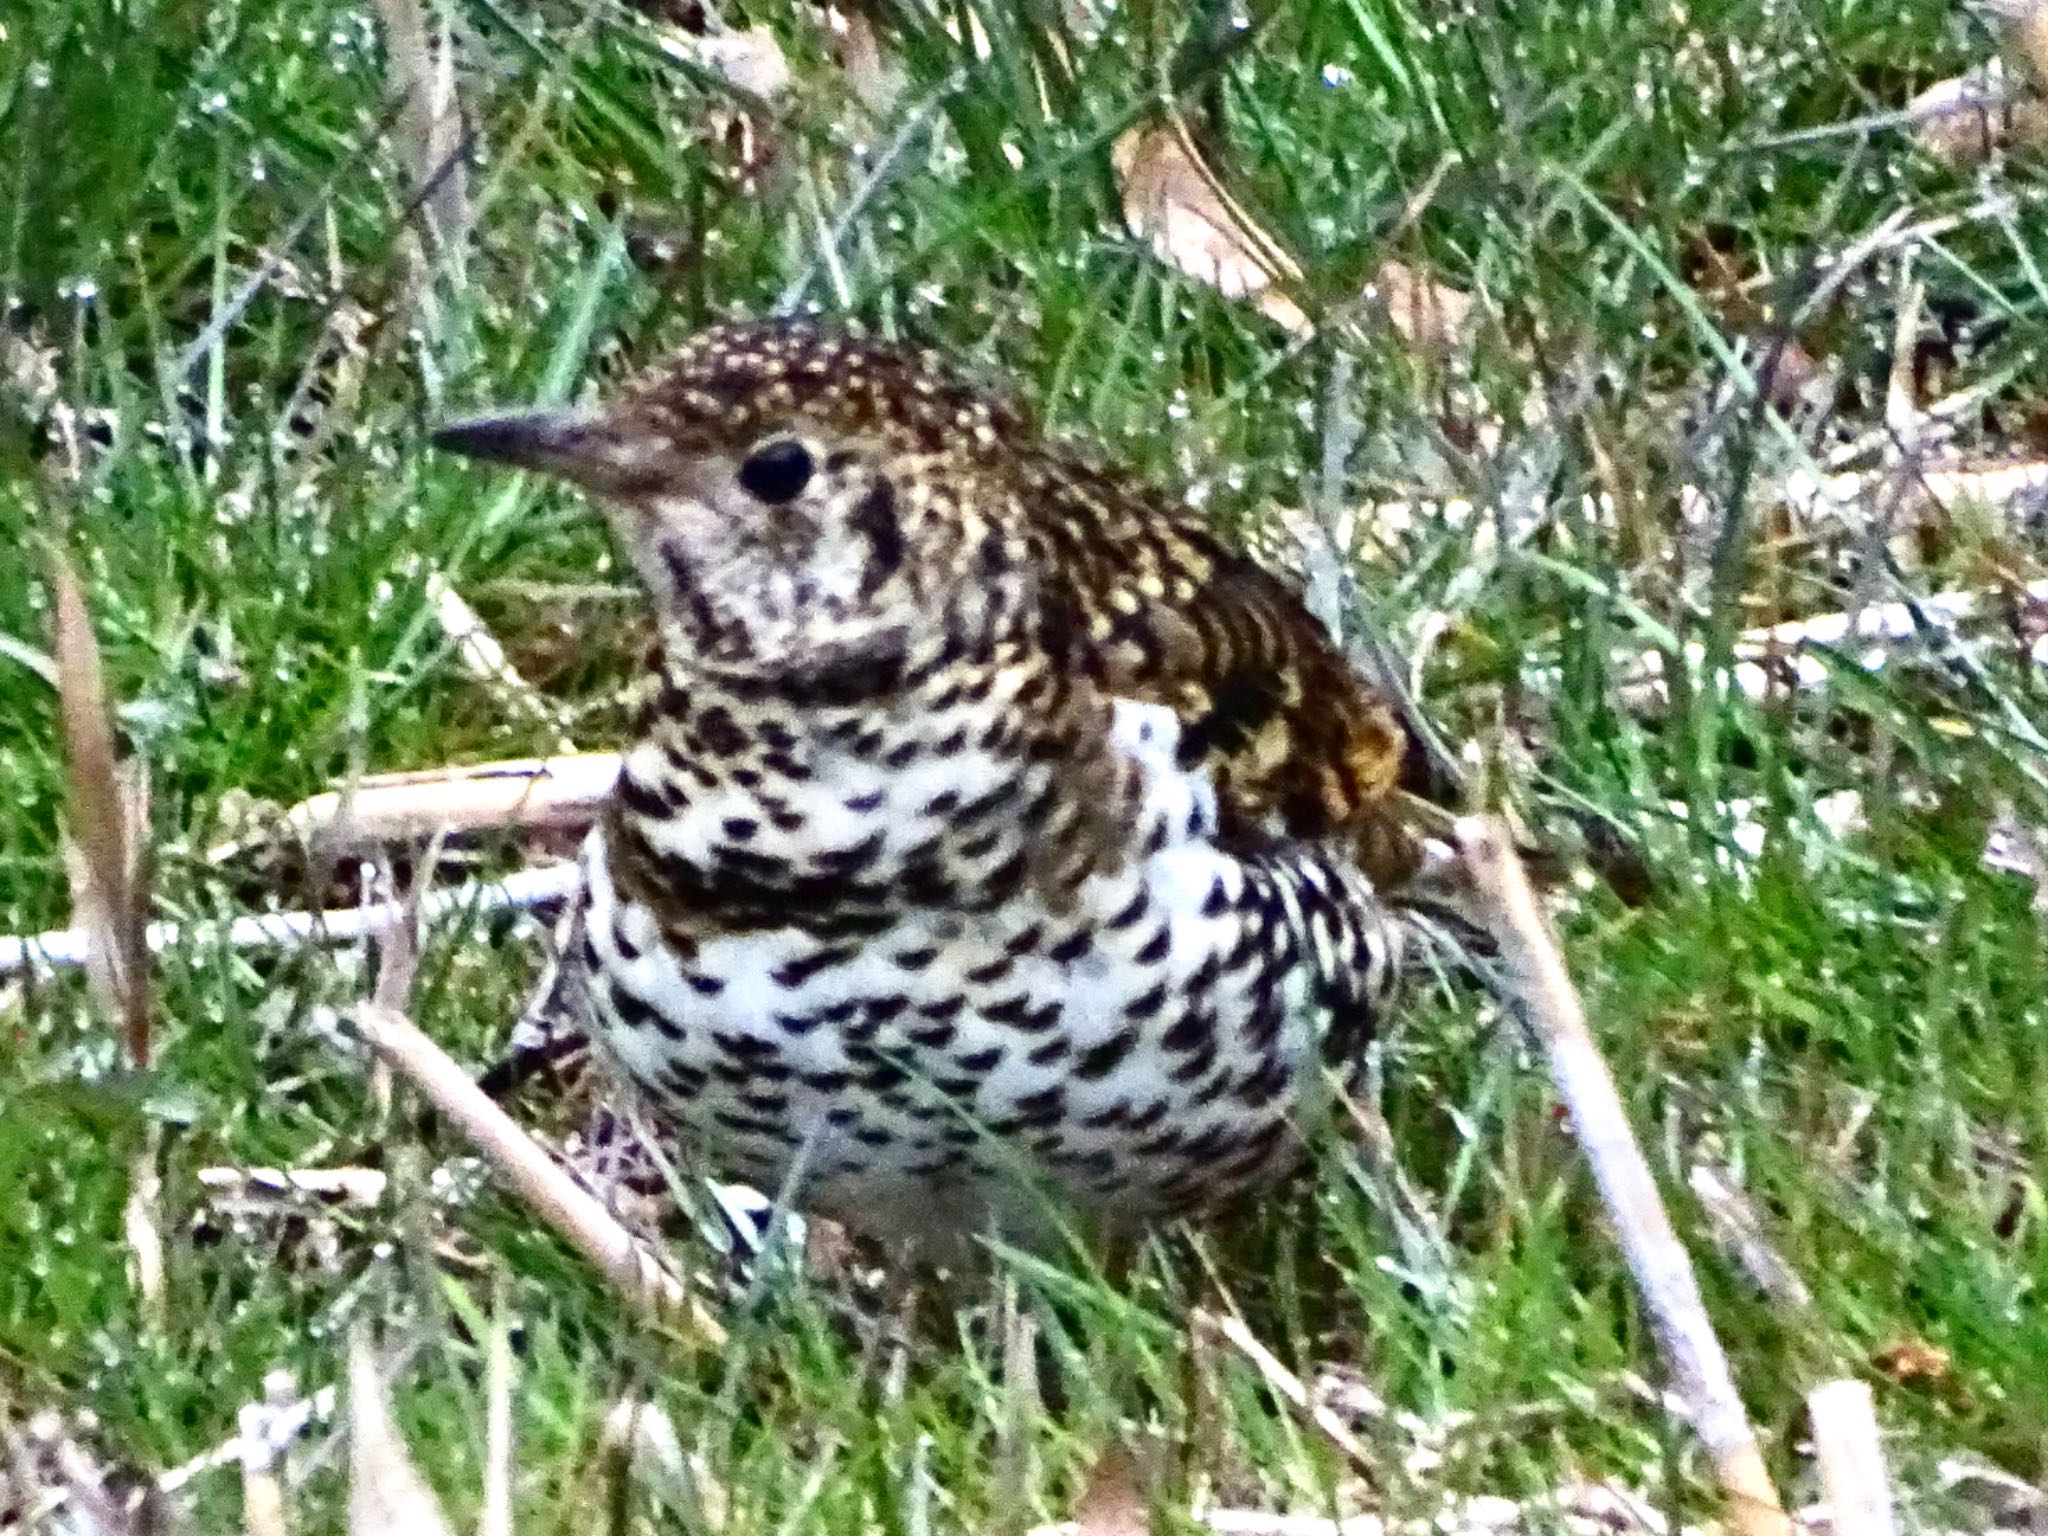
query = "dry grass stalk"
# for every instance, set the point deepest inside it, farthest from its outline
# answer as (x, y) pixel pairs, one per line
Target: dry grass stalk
(1739, 1232)
(422, 76)
(483, 656)
(28, 658)
(552, 794)
(1285, 1384)
(1851, 1456)
(1542, 992)
(263, 1500)
(1021, 1412)
(142, 1225)
(522, 891)
(102, 805)
(554, 1196)
(386, 1494)
(495, 1519)
(639, 1439)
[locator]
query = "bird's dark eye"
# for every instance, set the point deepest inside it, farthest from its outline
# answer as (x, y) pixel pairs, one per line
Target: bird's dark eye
(777, 472)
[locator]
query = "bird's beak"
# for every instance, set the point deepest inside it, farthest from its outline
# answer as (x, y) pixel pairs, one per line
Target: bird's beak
(576, 445)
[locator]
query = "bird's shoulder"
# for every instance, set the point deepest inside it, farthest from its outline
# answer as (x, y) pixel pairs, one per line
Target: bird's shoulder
(1149, 600)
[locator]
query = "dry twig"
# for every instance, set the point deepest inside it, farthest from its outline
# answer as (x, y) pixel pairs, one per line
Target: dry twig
(386, 1494)
(557, 1198)
(496, 1517)
(283, 930)
(1845, 1441)
(1542, 991)
(550, 794)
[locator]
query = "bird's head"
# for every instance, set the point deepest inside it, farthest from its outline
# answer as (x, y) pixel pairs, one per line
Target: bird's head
(792, 498)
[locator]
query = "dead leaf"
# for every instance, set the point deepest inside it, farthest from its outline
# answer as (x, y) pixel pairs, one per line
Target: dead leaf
(1432, 317)
(1965, 120)
(2025, 24)
(1909, 1361)
(751, 60)
(386, 1494)
(1173, 199)
(106, 811)
(1113, 1503)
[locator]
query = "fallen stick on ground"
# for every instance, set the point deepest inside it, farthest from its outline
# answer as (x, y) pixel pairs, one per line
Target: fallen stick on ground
(533, 793)
(1845, 1442)
(67, 947)
(1781, 656)
(1542, 992)
(536, 1177)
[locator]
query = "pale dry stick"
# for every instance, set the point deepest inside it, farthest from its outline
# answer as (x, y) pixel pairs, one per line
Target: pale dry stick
(1257, 1522)
(496, 1516)
(1739, 1232)
(1996, 486)
(529, 794)
(345, 1186)
(386, 1493)
(263, 1501)
(1845, 1442)
(1782, 655)
(528, 888)
(537, 1178)
(1542, 991)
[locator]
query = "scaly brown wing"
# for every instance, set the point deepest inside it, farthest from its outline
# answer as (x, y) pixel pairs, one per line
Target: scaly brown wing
(1156, 606)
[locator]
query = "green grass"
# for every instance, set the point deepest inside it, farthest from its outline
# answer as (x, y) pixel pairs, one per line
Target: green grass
(1855, 1027)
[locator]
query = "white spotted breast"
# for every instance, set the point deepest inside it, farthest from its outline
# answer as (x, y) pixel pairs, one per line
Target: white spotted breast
(1147, 1048)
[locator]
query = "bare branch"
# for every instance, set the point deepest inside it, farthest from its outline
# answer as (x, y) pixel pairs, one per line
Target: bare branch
(1542, 991)
(563, 1204)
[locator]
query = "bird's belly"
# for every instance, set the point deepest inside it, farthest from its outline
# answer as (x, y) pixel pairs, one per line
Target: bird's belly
(1143, 1052)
